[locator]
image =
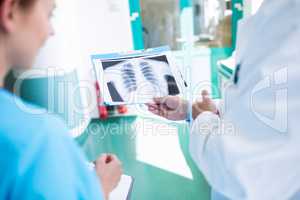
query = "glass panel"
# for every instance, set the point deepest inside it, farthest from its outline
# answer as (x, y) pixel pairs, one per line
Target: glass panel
(213, 23)
(161, 23)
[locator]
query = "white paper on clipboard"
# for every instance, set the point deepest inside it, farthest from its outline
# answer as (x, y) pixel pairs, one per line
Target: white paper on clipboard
(123, 190)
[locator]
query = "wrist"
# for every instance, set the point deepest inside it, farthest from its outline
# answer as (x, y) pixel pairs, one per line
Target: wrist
(194, 111)
(188, 110)
(105, 190)
(105, 193)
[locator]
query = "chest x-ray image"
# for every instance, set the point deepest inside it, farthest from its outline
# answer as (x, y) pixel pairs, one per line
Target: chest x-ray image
(139, 79)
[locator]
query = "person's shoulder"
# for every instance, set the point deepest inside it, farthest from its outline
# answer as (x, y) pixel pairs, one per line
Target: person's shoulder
(21, 123)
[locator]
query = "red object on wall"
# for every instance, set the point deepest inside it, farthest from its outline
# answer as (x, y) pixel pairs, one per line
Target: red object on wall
(103, 111)
(122, 109)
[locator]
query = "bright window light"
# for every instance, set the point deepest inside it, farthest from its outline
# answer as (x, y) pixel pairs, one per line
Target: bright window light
(157, 144)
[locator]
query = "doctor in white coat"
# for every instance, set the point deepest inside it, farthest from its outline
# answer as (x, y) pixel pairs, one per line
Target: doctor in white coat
(250, 149)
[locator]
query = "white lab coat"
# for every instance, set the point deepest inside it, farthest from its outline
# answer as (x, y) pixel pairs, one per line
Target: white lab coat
(253, 151)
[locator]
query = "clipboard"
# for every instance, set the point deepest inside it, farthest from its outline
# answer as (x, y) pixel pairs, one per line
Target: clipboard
(123, 190)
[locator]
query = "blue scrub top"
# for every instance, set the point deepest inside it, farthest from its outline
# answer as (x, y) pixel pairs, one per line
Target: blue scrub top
(38, 160)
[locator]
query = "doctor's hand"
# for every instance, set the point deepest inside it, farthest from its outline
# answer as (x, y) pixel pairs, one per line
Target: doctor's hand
(169, 107)
(175, 108)
(206, 104)
(109, 170)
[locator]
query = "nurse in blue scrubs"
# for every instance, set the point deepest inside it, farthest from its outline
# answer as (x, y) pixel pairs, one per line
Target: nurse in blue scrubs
(37, 158)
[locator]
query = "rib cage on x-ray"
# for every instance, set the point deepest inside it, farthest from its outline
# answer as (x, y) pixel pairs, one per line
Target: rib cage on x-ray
(129, 78)
(138, 78)
(148, 73)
